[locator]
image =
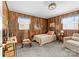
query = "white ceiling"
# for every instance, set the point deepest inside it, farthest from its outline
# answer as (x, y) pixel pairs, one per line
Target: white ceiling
(40, 8)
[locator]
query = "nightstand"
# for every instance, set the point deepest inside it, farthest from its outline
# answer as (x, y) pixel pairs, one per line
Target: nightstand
(60, 37)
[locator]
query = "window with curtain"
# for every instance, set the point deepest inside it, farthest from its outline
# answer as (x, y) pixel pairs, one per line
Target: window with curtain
(71, 22)
(24, 23)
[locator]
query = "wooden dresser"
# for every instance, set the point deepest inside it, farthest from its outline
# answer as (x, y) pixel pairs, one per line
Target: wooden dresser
(9, 48)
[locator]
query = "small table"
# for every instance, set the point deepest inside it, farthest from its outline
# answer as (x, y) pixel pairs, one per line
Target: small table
(60, 37)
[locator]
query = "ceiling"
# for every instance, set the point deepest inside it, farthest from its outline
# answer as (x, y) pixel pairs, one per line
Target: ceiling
(40, 8)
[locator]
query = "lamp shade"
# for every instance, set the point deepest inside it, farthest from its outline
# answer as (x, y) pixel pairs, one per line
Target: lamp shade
(62, 31)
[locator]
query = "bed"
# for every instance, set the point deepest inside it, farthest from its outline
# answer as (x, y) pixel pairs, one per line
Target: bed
(44, 38)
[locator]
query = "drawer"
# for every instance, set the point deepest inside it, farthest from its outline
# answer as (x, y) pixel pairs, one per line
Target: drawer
(9, 53)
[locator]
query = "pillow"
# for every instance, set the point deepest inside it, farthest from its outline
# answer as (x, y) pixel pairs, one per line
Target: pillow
(50, 32)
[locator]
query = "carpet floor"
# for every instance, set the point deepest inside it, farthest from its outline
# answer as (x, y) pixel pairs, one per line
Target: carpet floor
(53, 49)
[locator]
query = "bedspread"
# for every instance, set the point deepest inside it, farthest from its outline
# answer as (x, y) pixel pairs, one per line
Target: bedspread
(44, 38)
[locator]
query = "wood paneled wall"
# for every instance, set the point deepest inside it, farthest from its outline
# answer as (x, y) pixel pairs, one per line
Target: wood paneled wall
(58, 24)
(5, 15)
(5, 18)
(13, 25)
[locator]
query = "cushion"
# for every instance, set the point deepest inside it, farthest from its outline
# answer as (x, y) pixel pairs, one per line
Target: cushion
(50, 32)
(76, 34)
(75, 38)
(73, 42)
(26, 41)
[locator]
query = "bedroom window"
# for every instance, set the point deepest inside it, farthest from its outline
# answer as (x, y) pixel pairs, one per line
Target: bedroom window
(24, 23)
(71, 22)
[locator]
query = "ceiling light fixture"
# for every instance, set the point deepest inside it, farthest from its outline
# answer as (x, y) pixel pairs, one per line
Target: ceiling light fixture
(52, 6)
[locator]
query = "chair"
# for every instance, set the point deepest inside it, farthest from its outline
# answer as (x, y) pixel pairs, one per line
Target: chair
(72, 42)
(26, 42)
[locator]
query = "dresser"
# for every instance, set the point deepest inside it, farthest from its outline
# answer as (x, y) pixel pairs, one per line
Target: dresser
(9, 48)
